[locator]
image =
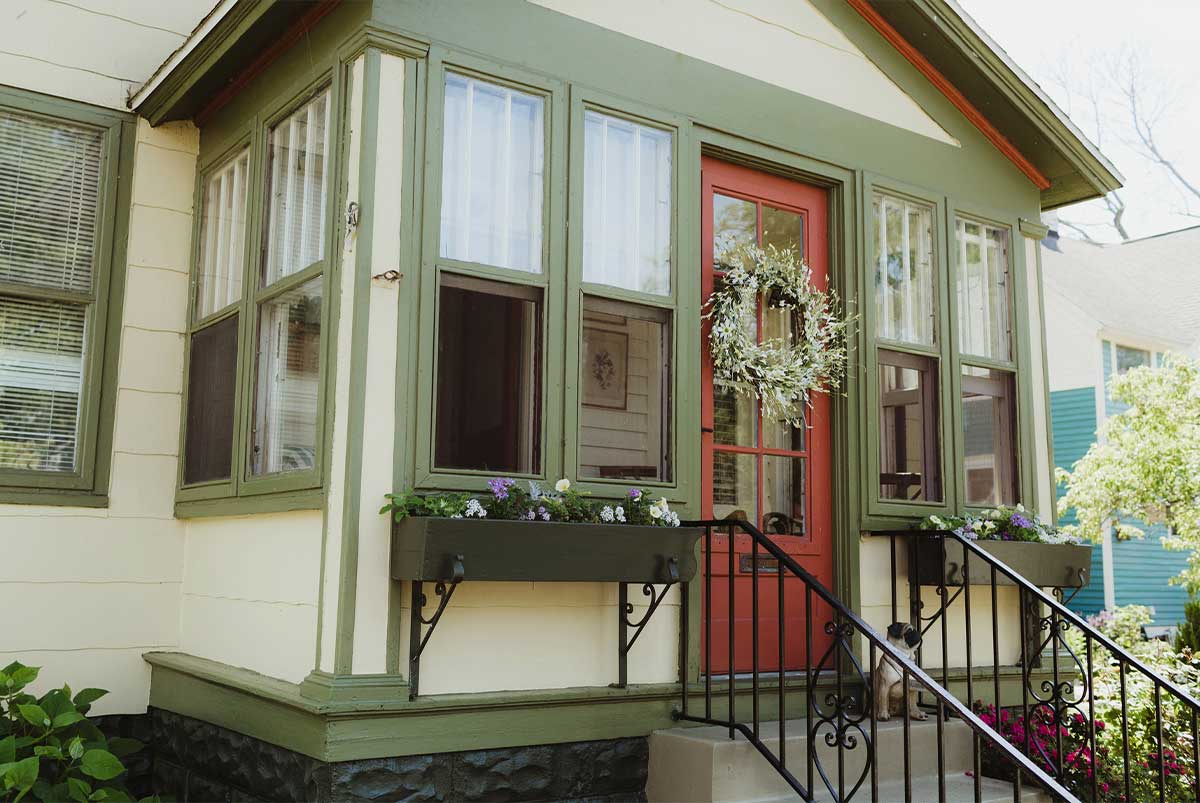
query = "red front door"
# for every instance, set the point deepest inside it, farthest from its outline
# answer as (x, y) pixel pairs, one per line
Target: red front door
(762, 470)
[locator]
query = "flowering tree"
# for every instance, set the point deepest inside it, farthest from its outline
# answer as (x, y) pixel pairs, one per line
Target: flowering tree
(1146, 465)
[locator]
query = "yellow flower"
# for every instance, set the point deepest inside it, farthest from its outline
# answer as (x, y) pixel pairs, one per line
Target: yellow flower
(562, 485)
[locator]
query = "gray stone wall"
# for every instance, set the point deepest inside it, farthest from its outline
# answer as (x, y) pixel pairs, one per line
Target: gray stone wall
(196, 762)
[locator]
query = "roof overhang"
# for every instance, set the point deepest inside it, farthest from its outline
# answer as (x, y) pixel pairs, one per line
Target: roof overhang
(1006, 97)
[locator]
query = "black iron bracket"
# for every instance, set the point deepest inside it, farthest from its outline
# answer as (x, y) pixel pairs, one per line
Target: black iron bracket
(625, 610)
(417, 641)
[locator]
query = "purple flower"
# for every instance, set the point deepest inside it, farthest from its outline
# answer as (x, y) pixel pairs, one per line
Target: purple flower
(1020, 521)
(499, 487)
(635, 494)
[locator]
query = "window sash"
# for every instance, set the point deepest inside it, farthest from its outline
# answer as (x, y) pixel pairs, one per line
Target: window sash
(906, 270)
(983, 278)
(222, 235)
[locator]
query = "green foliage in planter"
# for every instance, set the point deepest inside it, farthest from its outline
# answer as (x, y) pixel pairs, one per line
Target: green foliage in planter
(999, 524)
(50, 751)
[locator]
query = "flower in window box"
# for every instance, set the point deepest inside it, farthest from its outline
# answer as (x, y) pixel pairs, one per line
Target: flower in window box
(563, 485)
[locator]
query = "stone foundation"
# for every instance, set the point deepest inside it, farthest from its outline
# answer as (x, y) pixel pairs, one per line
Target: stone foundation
(195, 762)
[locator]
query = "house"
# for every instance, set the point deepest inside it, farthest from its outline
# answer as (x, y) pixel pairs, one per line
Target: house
(1110, 308)
(329, 250)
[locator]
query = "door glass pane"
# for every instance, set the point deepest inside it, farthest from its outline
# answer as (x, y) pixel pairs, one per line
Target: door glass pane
(904, 274)
(626, 204)
(286, 397)
(625, 392)
(489, 377)
(983, 290)
(41, 378)
(989, 429)
(50, 177)
(783, 495)
(909, 457)
(781, 325)
(298, 149)
(223, 236)
(493, 164)
(734, 222)
(783, 229)
(734, 421)
(735, 486)
(212, 385)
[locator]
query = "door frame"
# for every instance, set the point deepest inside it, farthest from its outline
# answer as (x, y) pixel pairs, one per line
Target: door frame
(846, 243)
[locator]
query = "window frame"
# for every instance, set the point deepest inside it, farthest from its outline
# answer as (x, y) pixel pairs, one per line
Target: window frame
(1020, 357)
(683, 287)
(297, 488)
(879, 509)
(549, 281)
(87, 485)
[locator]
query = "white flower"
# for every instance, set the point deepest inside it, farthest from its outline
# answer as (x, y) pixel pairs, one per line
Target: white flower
(475, 509)
(562, 485)
(606, 513)
(546, 515)
(655, 512)
(672, 519)
(620, 514)
(456, 516)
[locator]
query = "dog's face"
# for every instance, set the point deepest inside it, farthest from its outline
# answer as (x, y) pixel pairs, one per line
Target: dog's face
(904, 637)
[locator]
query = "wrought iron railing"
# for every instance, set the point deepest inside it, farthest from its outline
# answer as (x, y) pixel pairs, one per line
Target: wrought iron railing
(838, 710)
(1060, 654)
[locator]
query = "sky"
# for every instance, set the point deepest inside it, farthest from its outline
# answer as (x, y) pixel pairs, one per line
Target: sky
(1068, 42)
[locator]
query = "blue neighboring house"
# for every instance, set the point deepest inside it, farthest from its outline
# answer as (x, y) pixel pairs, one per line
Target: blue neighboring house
(1110, 308)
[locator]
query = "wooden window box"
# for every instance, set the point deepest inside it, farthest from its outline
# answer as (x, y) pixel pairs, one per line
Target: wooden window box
(1043, 565)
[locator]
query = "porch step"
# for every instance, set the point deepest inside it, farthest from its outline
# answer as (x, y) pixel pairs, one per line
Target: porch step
(703, 765)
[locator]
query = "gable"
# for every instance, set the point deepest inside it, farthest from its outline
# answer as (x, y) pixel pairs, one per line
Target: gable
(787, 43)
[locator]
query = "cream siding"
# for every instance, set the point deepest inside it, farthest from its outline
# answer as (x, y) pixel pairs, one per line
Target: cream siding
(787, 43)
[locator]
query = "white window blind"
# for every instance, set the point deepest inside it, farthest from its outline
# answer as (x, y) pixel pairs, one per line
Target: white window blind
(50, 208)
(41, 381)
(904, 271)
(299, 151)
(223, 236)
(983, 327)
(627, 204)
(49, 201)
(493, 163)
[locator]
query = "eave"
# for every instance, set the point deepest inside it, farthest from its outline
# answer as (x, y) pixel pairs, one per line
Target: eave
(1006, 97)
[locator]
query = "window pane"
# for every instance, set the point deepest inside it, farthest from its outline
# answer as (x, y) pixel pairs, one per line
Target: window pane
(983, 327)
(734, 222)
(298, 148)
(626, 204)
(625, 392)
(734, 486)
(223, 236)
(489, 376)
(286, 399)
(989, 436)
(492, 175)
(783, 495)
(1128, 358)
(781, 325)
(783, 229)
(909, 454)
(734, 416)
(41, 379)
(49, 201)
(904, 270)
(212, 384)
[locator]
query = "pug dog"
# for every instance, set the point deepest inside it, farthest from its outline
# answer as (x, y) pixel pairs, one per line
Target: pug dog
(889, 679)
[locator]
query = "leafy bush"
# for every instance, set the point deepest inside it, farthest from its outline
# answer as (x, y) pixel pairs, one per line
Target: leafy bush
(1188, 635)
(510, 500)
(50, 750)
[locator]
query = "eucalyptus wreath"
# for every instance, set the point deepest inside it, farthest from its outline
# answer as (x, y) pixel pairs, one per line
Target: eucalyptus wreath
(782, 375)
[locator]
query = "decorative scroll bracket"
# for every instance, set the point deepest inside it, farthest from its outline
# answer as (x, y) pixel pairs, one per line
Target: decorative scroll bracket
(417, 641)
(625, 610)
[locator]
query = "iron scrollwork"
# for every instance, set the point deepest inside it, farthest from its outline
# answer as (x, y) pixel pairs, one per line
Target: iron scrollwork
(417, 641)
(837, 718)
(625, 611)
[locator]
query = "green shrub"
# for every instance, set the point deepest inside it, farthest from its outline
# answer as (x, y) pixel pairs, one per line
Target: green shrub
(1188, 635)
(50, 751)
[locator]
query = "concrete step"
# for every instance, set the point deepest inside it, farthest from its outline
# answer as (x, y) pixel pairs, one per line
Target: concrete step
(703, 765)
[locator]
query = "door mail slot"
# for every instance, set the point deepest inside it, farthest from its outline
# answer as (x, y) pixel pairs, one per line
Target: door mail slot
(766, 564)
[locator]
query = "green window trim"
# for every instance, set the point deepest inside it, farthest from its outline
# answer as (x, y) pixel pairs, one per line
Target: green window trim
(244, 491)
(87, 484)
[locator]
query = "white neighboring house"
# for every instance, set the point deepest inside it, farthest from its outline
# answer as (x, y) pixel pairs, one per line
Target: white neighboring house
(1110, 308)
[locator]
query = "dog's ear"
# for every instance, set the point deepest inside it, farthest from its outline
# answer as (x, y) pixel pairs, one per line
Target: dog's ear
(912, 637)
(896, 629)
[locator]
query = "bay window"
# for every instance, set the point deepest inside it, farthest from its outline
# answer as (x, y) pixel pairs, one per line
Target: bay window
(258, 301)
(58, 177)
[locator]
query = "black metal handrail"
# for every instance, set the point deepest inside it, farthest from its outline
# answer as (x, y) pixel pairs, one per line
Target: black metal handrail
(1069, 695)
(839, 721)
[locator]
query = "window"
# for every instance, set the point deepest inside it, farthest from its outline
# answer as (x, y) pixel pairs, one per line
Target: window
(54, 177)
(627, 204)
(983, 319)
(909, 445)
(905, 271)
(488, 395)
(989, 436)
(1129, 358)
(263, 304)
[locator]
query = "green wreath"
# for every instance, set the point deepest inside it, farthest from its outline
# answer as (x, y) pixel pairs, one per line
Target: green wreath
(781, 375)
